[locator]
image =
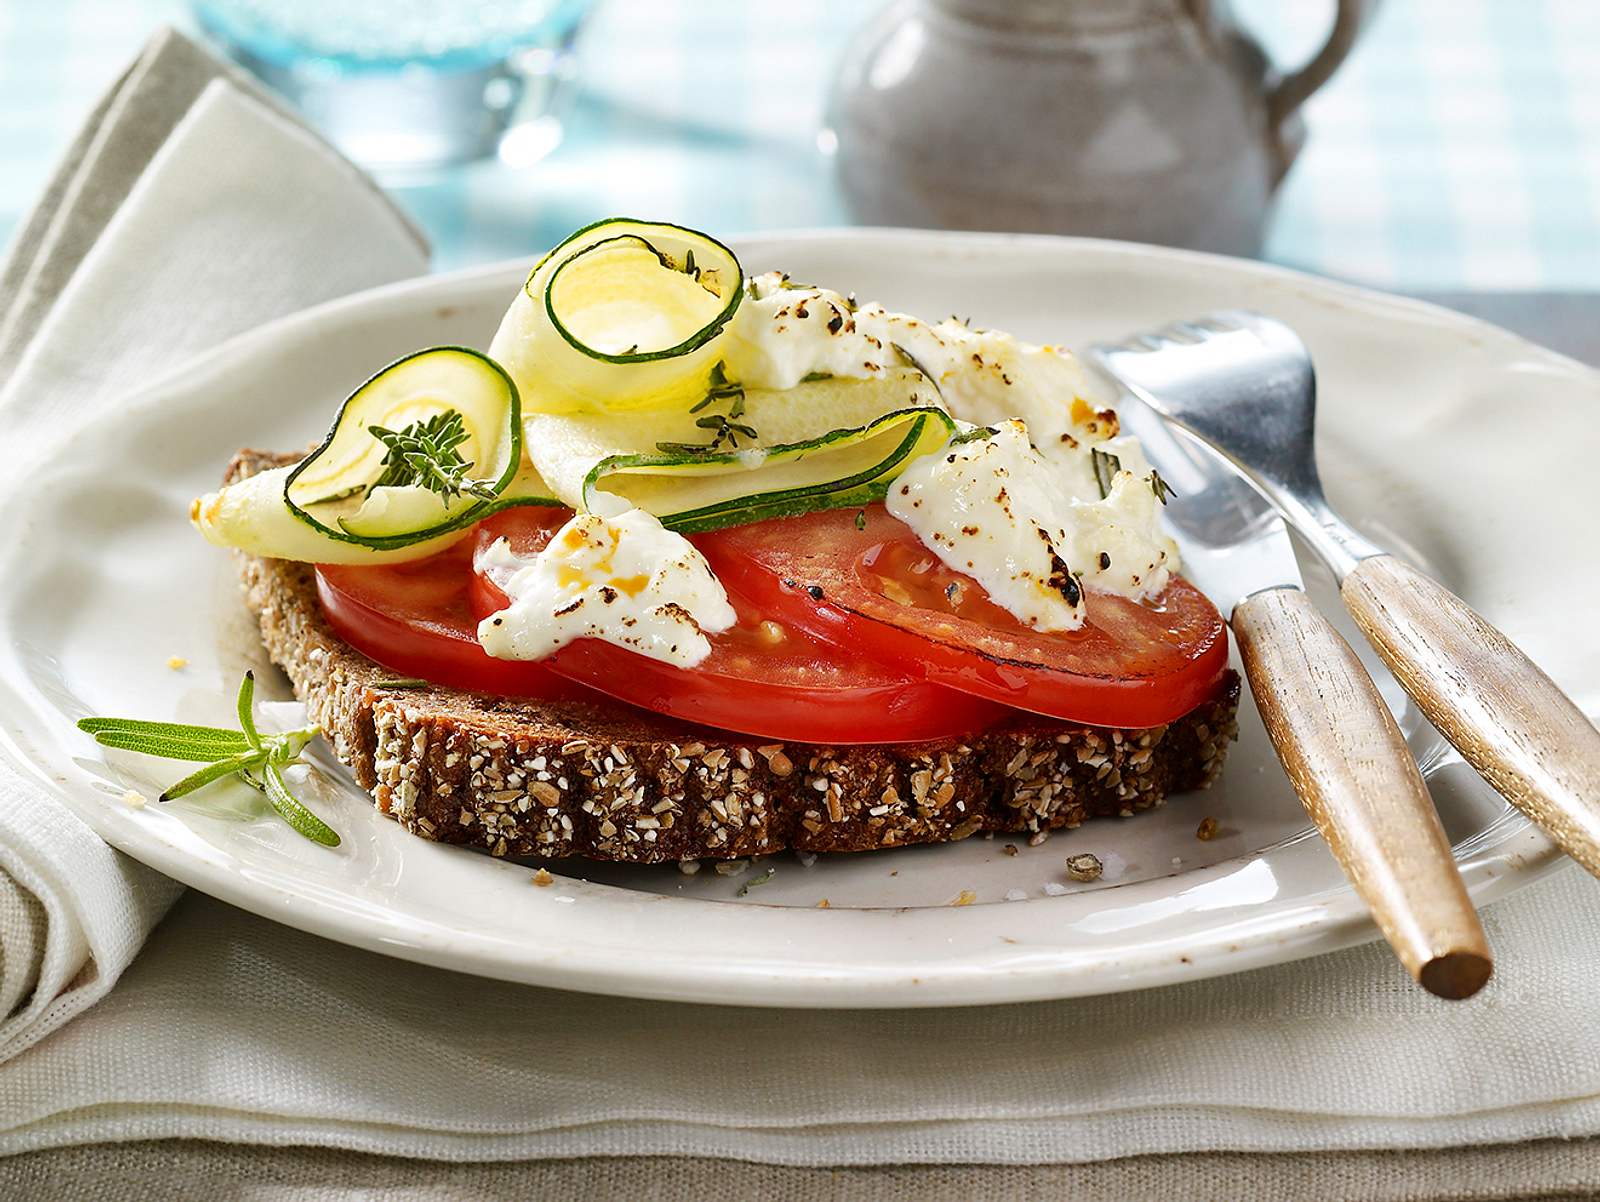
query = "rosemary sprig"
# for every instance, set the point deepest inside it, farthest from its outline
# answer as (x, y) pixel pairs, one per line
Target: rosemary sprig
(1106, 467)
(425, 453)
(726, 429)
(253, 757)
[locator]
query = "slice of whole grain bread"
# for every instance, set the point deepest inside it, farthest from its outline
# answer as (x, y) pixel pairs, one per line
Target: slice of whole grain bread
(517, 777)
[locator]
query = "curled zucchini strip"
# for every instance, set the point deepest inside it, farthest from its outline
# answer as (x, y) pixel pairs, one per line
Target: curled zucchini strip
(824, 444)
(623, 315)
(422, 448)
(250, 516)
(449, 452)
(844, 468)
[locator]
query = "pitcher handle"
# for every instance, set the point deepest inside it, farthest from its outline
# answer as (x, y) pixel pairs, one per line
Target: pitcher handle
(1296, 88)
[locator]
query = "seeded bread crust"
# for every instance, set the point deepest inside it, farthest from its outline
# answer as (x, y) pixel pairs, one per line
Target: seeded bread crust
(610, 782)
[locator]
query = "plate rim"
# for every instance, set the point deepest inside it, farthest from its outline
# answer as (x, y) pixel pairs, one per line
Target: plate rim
(1521, 857)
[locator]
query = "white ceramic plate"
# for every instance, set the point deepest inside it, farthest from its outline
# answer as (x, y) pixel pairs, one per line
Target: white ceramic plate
(1463, 445)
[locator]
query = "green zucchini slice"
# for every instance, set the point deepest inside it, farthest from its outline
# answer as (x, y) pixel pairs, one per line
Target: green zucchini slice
(250, 515)
(422, 448)
(824, 444)
(623, 315)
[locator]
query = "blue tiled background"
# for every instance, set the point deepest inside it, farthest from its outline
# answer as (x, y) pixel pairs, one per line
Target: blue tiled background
(1459, 148)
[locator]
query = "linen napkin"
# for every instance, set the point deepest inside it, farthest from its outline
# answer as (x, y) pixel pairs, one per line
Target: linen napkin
(167, 228)
(230, 1028)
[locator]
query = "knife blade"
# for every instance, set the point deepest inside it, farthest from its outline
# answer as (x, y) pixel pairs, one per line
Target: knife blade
(1234, 543)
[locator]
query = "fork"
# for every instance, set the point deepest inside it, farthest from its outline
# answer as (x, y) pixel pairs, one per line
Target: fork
(1244, 383)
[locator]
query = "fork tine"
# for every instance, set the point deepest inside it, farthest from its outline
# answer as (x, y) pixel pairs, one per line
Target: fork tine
(1231, 320)
(1119, 346)
(1185, 333)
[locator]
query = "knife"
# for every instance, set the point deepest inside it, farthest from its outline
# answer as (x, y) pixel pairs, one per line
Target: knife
(1338, 742)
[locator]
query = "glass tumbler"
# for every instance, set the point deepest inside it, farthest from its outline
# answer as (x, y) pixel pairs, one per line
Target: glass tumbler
(411, 84)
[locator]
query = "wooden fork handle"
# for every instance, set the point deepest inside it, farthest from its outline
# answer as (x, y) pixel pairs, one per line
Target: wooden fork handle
(1507, 718)
(1355, 776)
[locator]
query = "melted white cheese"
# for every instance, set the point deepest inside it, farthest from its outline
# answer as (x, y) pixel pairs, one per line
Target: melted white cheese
(1035, 535)
(782, 333)
(623, 578)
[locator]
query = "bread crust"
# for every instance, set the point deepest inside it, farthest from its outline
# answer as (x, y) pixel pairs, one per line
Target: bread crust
(516, 777)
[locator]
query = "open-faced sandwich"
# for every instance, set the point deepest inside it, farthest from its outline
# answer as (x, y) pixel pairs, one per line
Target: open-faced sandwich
(690, 564)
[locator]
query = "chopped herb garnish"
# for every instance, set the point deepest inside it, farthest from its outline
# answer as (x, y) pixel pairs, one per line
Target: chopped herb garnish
(1106, 467)
(246, 753)
(425, 453)
(403, 682)
(754, 881)
(811, 377)
(910, 360)
(726, 429)
(861, 519)
(1160, 487)
(972, 435)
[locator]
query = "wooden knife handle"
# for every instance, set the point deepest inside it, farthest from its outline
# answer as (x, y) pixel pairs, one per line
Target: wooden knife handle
(1506, 717)
(1355, 776)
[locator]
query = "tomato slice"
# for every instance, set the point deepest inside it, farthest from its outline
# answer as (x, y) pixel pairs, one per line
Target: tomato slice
(416, 619)
(869, 582)
(762, 678)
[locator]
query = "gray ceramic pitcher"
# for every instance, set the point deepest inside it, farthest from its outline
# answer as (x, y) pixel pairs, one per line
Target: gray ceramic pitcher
(1154, 120)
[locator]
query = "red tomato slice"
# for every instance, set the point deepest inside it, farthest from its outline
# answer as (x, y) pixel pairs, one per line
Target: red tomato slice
(761, 678)
(871, 584)
(416, 619)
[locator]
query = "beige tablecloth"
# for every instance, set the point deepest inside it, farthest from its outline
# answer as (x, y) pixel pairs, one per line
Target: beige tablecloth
(191, 1171)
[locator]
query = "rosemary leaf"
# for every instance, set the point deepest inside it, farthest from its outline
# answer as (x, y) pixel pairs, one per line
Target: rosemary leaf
(292, 812)
(1161, 488)
(972, 435)
(220, 735)
(1106, 468)
(168, 739)
(209, 773)
(246, 708)
(168, 747)
(757, 881)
